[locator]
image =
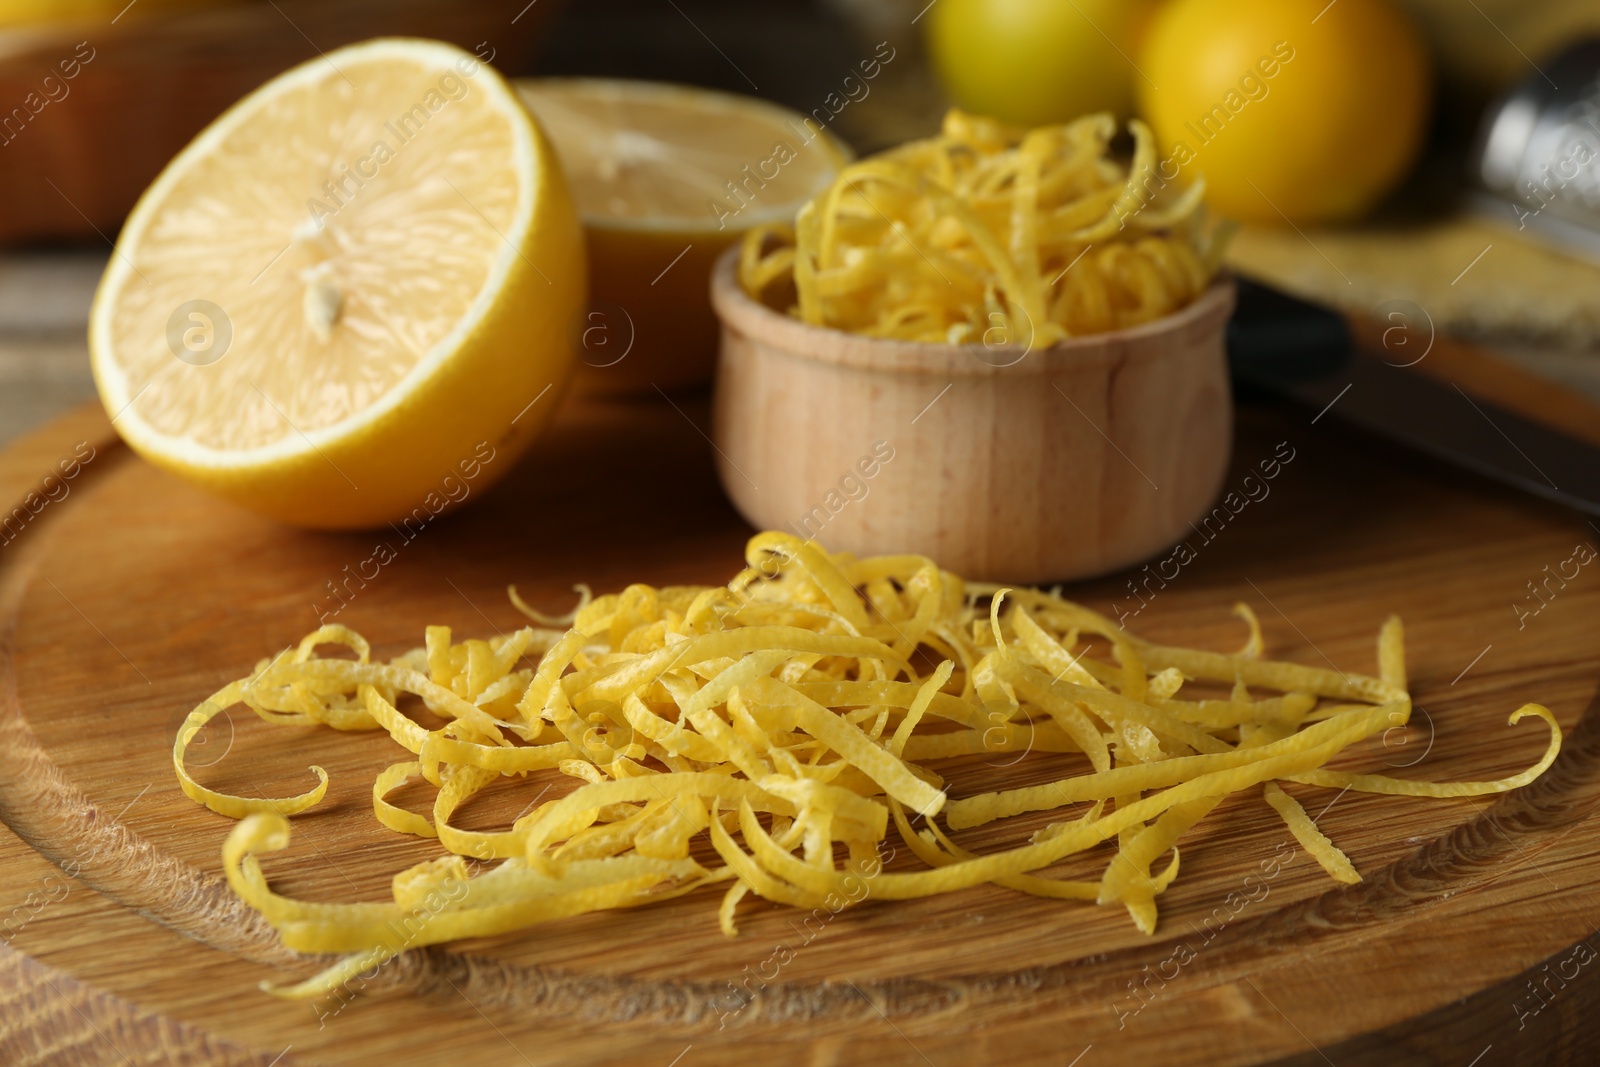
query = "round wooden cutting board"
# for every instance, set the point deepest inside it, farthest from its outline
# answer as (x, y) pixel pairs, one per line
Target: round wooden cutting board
(129, 597)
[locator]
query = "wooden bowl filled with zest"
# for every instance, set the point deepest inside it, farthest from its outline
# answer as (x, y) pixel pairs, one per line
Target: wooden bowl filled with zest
(1002, 463)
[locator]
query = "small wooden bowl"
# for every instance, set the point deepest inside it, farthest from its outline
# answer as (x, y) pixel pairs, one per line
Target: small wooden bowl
(1002, 465)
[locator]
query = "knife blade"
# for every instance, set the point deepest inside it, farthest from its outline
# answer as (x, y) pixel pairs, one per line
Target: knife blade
(1308, 353)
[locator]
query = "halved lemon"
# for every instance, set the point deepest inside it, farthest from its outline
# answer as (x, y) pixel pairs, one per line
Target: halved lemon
(666, 177)
(347, 292)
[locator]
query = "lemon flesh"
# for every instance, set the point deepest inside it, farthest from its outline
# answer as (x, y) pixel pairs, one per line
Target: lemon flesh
(353, 279)
(670, 157)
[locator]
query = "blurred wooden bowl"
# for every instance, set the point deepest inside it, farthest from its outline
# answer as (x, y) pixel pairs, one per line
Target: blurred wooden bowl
(1003, 465)
(77, 151)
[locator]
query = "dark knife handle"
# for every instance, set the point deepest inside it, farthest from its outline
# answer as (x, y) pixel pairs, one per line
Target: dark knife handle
(1274, 338)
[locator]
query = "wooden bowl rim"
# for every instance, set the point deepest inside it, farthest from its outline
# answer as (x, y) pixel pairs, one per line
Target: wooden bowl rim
(800, 340)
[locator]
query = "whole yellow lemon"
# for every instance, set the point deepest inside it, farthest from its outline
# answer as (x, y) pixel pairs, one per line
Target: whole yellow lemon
(1037, 62)
(1298, 109)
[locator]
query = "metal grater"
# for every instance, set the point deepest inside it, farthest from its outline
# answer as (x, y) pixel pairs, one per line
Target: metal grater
(1537, 162)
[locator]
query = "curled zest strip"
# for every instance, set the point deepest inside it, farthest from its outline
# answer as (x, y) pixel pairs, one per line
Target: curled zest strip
(1378, 783)
(235, 807)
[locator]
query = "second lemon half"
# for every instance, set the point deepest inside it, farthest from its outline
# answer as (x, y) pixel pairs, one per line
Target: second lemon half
(666, 177)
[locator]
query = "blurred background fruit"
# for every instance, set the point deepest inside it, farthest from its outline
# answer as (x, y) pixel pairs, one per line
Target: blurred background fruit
(1033, 62)
(1296, 109)
(92, 109)
(666, 177)
(33, 12)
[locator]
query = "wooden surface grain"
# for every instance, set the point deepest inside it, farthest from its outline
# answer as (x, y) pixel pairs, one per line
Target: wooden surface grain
(133, 597)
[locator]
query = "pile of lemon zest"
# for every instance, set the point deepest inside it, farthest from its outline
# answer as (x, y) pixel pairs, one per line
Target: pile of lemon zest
(779, 718)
